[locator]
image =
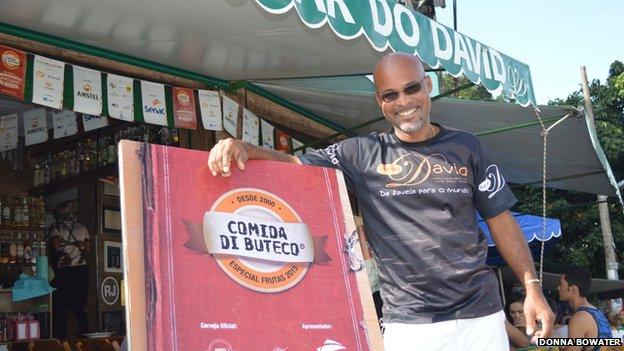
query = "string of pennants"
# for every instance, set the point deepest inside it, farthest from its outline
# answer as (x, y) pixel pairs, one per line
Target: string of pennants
(97, 95)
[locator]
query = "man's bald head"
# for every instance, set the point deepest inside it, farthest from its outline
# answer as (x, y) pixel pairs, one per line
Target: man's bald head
(397, 61)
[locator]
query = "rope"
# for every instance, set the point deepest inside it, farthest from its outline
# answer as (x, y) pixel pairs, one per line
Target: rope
(544, 134)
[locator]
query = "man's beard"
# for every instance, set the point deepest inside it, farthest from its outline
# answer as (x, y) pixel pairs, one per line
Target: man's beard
(410, 127)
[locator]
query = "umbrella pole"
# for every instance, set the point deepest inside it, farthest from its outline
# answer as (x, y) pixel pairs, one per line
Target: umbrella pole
(499, 273)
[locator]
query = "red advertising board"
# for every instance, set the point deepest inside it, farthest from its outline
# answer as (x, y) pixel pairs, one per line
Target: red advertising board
(184, 111)
(12, 71)
(255, 261)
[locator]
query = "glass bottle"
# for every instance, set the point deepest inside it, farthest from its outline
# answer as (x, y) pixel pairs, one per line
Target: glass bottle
(12, 250)
(47, 174)
(28, 251)
(6, 212)
(20, 248)
(17, 212)
(25, 212)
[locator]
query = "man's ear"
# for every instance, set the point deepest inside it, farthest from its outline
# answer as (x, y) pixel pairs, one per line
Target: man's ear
(428, 84)
(378, 100)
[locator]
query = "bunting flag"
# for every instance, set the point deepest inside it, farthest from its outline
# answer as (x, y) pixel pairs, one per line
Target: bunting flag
(120, 97)
(87, 91)
(154, 105)
(48, 76)
(210, 109)
(93, 122)
(35, 127)
(268, 134)
(230, 116)
(297, 144)
(283, 141)
(64, 123)
(12, 71)
(159, 104)
(309, 150)
(184, 110)
(8, 132)
(251, 127)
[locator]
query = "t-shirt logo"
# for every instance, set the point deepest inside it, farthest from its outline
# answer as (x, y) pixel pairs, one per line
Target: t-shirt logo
(414, 169)
(493, 182)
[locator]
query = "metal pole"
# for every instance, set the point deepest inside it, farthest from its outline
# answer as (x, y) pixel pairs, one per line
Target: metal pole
(603, 207)
(455, 15)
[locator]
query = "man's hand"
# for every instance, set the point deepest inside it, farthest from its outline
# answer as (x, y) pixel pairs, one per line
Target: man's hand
(225, 151)
(536, 308)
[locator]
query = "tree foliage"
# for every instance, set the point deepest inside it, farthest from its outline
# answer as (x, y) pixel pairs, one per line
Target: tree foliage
(582, 243)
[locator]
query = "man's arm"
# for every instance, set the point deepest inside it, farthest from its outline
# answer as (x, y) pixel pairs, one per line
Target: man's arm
(512, 246)
(516, 337)
(228, 150)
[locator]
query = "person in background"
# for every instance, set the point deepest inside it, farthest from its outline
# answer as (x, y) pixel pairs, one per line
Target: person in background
(615, 321)
(587, 320)
(515, 324)
(69, 243)
(516, 314)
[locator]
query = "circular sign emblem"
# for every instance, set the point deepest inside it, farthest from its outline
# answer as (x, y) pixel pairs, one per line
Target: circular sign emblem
(10, 60)
(220, 345)
(110, 291)
(87, 88)
(256, 274)
(40, 74)
(183, 97)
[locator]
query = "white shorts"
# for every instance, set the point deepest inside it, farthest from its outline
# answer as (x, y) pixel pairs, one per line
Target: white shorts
(482, 333)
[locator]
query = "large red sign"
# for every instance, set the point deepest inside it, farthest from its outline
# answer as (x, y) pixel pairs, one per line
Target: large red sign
(12, 71)
(256, 261)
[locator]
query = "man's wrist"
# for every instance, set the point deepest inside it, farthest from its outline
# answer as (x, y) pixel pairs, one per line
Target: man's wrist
(533, 288)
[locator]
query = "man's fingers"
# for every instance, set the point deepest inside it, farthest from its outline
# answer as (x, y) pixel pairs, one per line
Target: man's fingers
(240, 156)
(547, 323)
(214, 159)
(226, 156)
(530, 324)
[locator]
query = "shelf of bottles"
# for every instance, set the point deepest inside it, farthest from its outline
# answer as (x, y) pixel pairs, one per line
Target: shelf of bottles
(22, 236)
(94, 152)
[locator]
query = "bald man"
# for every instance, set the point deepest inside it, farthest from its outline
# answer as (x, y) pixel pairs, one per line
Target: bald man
(418, 188)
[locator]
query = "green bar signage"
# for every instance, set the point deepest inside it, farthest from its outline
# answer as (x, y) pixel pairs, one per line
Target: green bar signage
(387, 24)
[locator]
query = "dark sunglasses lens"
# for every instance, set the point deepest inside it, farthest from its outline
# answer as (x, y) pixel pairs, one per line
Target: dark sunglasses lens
(390, 96)
(412, 89)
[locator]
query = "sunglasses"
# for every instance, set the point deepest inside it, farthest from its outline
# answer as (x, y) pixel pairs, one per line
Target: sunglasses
(410, 89)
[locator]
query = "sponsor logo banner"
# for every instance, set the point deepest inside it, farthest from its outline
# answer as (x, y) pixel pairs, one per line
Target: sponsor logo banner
(92, 122)
(64, 123)
(35, 127)
(12, 71)
(87, 91)
(120, 97)
(184, 114)
(230, 116)
(283, 141)
(251, 127)
(48, 75)
(296, 144)
(210, 109)
(154, 106)
(268, 132)
(8, 132)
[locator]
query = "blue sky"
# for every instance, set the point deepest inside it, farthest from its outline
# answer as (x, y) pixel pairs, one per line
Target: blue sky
(554, 37)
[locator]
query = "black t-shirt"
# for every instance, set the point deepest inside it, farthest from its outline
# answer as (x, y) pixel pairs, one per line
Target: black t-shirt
(419, 202)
